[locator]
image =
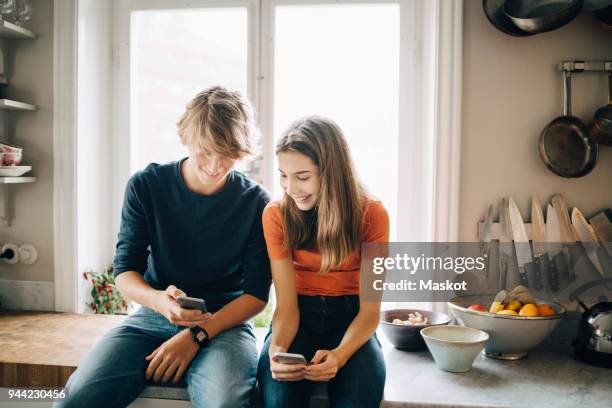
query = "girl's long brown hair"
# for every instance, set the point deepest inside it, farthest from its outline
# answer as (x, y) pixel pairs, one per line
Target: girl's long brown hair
(339, 208)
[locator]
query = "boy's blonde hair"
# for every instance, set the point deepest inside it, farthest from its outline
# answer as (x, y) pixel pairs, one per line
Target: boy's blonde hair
(219, 119)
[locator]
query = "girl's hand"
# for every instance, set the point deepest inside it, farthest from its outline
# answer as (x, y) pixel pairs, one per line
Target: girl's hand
(323, 367)
(171, 359)
(284, 372)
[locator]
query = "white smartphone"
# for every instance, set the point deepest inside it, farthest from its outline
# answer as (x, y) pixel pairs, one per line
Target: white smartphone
(290, 358)
(192, 303)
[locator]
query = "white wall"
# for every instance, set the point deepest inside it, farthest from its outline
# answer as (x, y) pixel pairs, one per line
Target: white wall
(29, 64)
(511, 90)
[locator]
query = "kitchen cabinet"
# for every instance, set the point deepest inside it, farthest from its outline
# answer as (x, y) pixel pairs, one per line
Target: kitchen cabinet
(9, 32)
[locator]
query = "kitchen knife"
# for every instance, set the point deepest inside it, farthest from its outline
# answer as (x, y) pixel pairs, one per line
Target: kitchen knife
(505, 244)
(538, 239)
(553, 244)
(602, 224)
(521, 241)
(568, 234)
(589, 239)
(486, 238)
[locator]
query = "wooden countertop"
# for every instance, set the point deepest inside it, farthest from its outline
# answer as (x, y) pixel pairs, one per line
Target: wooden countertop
(43, 348)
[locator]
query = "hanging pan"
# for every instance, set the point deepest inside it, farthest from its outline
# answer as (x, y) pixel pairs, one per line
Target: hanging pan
(604, 16)
(494, 10)
(565, 144)
(601, 127)
(538, 16)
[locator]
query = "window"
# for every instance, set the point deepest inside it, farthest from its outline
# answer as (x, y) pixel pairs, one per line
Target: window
(342, 61)
(174, 54)
(369, 65)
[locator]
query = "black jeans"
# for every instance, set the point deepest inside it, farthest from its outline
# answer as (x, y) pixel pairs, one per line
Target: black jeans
(323, 322)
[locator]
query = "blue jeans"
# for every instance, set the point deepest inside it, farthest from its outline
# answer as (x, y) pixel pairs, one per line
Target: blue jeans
(113, 373)
(323, 322)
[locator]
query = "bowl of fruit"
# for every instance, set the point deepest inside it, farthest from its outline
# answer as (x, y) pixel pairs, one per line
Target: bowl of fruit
(516, 321)
(403, 326)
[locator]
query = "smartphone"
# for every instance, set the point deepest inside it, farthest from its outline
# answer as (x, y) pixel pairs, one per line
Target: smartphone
(290, 358)
(192, 303)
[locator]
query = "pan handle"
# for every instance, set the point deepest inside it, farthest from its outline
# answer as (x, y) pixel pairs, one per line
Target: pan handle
(567, 93)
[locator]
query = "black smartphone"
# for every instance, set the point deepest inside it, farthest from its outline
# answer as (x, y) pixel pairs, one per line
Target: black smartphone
(192, 303)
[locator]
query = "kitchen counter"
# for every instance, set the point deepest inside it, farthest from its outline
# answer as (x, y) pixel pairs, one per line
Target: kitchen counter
(42, 349)
(548, 377)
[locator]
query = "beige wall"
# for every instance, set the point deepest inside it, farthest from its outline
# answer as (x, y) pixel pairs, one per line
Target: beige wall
(511, 90)
(29, 64)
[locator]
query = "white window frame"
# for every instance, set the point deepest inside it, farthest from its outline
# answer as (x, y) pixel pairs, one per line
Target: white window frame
(430, 106)
(122, 70)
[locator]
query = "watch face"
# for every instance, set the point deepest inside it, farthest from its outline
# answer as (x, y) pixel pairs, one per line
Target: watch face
(201, 336)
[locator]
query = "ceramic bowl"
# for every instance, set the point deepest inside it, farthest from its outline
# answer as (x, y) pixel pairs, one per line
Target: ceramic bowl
(454, 348)
(7, 148)
(512, 337)
(10, 158)
(408, 337)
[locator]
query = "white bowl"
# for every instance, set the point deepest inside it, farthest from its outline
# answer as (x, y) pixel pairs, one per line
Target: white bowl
(512, 337)
(454, 348)
(14, 171)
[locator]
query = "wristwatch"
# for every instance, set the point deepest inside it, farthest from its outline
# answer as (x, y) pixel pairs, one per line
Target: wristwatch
(199, 336)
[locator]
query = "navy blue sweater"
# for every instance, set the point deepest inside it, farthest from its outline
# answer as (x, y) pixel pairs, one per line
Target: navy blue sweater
(210, 246)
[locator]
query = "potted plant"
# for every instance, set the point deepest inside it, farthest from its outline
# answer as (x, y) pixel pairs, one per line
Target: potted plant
(105, 297)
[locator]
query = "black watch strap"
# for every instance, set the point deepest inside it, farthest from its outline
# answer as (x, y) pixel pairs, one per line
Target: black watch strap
(199, 336)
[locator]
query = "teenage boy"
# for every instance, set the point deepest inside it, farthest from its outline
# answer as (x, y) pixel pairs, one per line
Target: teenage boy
(191, 227)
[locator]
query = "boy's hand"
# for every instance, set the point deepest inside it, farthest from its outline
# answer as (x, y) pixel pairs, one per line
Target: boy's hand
(171, 359)
(171, 310)
(284, 372)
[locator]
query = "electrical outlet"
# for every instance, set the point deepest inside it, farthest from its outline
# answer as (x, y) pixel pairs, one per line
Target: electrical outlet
(10, 253)
(27, 254)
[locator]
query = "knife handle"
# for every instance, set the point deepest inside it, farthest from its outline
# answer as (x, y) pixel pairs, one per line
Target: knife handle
(537, 268)
(523, 276)
(554, 274)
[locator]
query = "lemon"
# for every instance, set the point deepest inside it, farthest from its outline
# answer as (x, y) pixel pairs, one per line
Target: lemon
(529, 310)
(514, 305)
(496, 307)
(508, 312)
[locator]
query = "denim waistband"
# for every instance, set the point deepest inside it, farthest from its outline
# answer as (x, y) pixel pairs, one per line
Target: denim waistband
(326, 304)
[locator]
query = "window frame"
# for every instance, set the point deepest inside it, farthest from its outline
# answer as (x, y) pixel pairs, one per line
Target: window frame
(434, 54)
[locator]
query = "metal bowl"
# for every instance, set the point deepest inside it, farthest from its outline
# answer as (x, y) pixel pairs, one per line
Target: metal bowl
(511, 337)
(408, 337)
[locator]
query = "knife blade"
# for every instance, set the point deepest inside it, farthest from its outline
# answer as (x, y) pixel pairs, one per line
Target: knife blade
(602, 224)
(589, 239)
(538, 239)
(568, 234)
(521, 241)
(505, 244)
(486, 237)
(553, 239)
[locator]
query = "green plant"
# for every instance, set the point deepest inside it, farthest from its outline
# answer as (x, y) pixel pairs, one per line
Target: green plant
(105, 297)
(264, 318)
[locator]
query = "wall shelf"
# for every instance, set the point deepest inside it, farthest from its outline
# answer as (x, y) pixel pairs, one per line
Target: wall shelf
(8, 104)
(17, 180)
(13, 31)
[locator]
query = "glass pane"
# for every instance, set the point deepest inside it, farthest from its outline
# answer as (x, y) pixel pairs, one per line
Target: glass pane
(174, 55)
(342, 61)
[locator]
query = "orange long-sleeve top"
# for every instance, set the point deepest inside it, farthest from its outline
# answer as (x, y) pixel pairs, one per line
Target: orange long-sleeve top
(343, 280)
